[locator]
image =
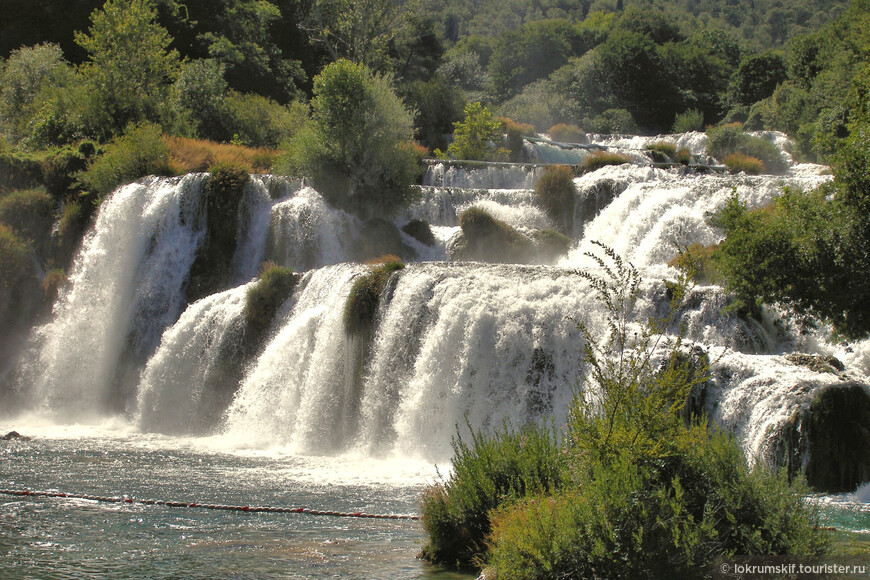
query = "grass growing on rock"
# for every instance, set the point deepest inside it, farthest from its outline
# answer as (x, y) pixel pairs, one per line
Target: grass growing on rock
(598, 159)
(265, 298)
(365, 294)
(490, 240)
(555, 190)
(739, 163)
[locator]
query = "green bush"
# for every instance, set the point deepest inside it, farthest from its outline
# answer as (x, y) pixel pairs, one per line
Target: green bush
(256, 121)
(555, 191)
(140, 151)
(612, 121)
(691, 120)
(727, 139)
(17, 276)
(566, 133)
(488, 471)
(739, 163)
(683, 156)
(263, 300)
(807, 249)
(598, 159)
(59, 168)
(662, 151)
(697, 262)
(29, 213)
(365, 295)
(19, 171)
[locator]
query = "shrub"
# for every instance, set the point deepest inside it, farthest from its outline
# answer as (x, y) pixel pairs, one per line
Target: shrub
(265, 298)
(140, 151)
(365, 295)
(566, 133)
(198, 97)
(598, 159)
(420, 231)
(737, 163)
(29, 213)
(555, 190)
(697, 262)
(683, 156)
(53, 281)
(17, 274)
(18, 171)
(59, 168)
(488, 471)
(691, 120)
(475, 137)
(727, 139)
(256, 121)
(514, 136)
(662, 151)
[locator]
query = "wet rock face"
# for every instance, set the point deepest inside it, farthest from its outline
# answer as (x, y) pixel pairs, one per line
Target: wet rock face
(817, 362)
(830, 439)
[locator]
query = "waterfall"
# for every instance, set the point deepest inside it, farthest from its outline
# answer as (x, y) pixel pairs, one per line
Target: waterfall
(453, 344)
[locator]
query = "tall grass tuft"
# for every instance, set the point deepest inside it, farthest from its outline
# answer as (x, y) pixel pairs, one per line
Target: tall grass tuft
(739, 163)
(365, 294)
(598, 159)
(555, 190)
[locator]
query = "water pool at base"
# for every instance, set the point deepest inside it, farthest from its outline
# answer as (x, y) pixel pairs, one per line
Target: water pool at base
(74, 538)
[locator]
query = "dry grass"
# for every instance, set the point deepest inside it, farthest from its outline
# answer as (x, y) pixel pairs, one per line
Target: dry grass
(737, 163)
(193, 155)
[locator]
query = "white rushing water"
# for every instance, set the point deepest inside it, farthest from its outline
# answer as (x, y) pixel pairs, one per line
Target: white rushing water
(453, 343)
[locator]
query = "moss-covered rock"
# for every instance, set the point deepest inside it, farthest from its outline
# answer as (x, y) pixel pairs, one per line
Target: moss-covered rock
(378, 237)
(420, 231)
(30, 214)
(222, 191)
(264, 299)
(817, 362)
(830, 440)
(487, 239)
(550, 245)
(365, 295)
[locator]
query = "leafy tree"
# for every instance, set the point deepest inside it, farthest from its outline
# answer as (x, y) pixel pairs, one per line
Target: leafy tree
(359, 31)
(26, 71)
(130, 67)
(438, 106)
(356, 147)
(530, 53)
(758, 76)
(475, 137)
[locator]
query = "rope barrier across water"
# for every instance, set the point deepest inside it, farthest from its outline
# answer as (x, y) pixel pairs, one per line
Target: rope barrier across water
(207, 506)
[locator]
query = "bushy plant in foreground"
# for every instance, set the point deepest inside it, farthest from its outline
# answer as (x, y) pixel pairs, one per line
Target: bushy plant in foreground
(488, 471)
(691, 120)
(640, 491)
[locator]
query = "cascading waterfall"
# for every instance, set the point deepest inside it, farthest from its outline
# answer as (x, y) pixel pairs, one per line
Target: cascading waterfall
(452, 342)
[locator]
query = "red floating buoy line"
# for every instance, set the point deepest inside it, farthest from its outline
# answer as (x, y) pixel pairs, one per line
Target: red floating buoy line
(206, 506)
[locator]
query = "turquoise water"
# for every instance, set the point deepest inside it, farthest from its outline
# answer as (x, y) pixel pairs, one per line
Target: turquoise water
(73, 538)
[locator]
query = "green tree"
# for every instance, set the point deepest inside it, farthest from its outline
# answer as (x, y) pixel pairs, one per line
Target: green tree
(130, 68)
(476, 136)
(360, 30)
(758, 76)
(356, 148)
